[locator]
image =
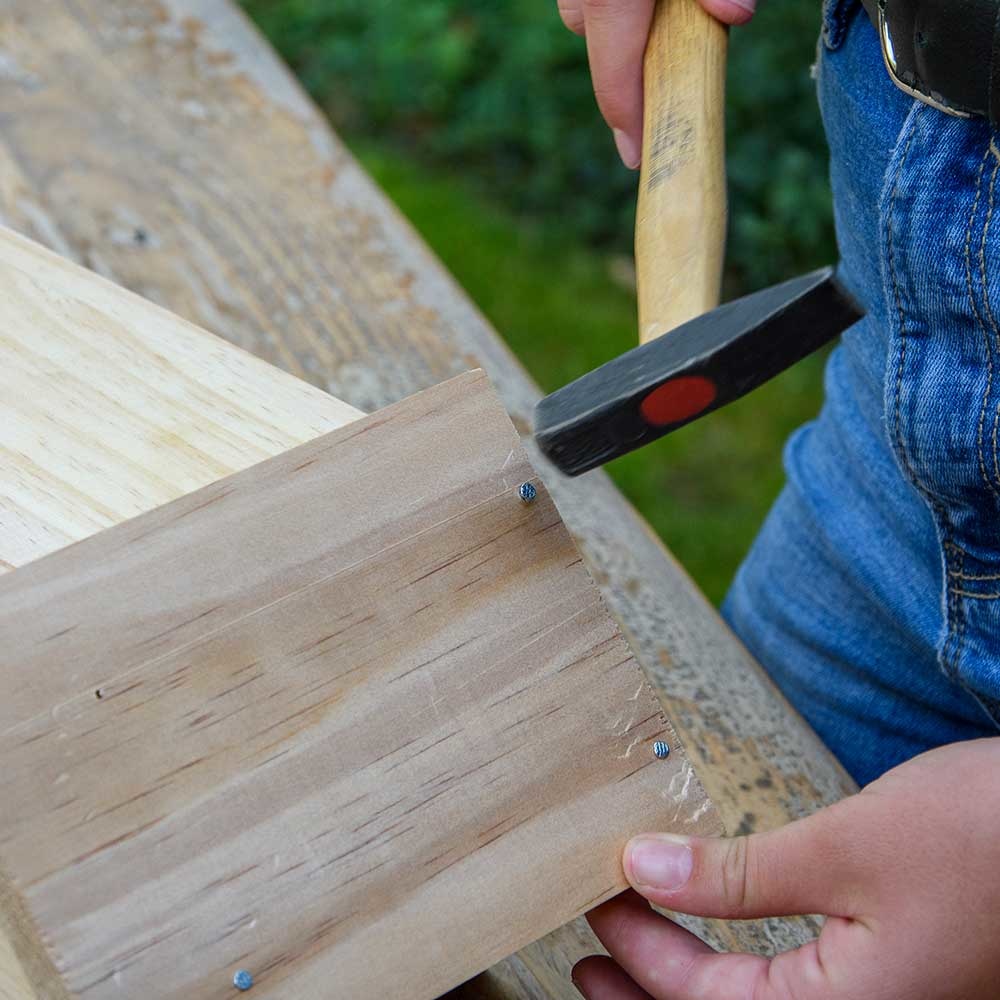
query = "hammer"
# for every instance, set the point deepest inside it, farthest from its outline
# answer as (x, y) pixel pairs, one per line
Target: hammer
(694, 355)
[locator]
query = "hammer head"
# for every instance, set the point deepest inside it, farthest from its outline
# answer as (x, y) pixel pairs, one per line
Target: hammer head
(700, 366)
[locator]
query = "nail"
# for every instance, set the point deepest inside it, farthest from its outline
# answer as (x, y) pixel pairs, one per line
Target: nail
(660, 862)
(628, 149)
(748, 5)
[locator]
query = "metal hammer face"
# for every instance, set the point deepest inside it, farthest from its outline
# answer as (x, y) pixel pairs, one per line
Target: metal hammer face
(702, 365)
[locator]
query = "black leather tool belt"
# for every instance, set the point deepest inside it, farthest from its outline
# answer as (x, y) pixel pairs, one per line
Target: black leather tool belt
(943, 52)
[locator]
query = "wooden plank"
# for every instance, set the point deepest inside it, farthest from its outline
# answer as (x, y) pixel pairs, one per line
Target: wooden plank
(110, 405)
(166, 146)
(357, 700)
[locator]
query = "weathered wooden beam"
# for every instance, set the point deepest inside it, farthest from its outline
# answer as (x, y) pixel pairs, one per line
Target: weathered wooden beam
(354, 715)
(162, 143)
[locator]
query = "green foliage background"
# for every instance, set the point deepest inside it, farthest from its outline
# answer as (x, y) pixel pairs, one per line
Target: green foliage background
(478, 118)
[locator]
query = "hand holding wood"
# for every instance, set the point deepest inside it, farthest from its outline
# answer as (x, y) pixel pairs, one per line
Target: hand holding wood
(907, 873)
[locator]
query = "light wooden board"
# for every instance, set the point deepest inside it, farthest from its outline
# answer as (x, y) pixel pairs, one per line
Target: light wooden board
(166, 146)
(355, 702)
(110, 405)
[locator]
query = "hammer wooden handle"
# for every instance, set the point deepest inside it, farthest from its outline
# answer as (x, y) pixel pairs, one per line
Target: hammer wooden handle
(681, 217)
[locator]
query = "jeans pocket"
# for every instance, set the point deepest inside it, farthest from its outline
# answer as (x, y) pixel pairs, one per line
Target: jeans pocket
(971, 650)
(941, 271)
(836, 16)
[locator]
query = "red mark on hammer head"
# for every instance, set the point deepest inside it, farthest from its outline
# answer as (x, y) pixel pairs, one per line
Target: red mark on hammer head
(679, 399)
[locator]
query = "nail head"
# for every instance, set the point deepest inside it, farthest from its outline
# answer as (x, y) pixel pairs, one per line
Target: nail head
(527, 492)
(243, 980)
(661, 750)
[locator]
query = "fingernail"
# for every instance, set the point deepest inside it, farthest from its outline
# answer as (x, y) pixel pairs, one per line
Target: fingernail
(628, 149)
(659, 862)
(748, 5)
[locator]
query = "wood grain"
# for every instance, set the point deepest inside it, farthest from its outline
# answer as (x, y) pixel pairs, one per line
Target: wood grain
(109, 405)
(357, 701)
(680, 225)
(163, 144)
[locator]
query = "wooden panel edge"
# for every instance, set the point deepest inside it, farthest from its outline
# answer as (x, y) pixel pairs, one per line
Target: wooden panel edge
(26, 969)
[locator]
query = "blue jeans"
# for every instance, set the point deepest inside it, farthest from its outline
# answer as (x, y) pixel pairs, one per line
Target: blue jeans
(872, 595)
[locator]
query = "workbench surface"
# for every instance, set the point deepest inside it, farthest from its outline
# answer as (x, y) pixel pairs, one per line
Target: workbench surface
(163, 144)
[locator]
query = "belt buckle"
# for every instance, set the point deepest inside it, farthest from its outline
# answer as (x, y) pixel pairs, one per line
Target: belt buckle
(889, 55)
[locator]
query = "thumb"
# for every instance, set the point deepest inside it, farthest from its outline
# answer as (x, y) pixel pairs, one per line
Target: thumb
(811, 866)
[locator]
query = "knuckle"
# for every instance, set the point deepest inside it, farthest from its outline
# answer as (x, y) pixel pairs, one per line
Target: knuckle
(607, 12)
(572, 15)
(736, 875)
(686, 976)
(612, 103)
(619, 929)
(604, 12)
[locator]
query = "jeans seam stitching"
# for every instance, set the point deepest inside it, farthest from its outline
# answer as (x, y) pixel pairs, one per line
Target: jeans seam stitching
(956, 623)
(956, 636)
(987, 305)
(986, 298)
(974, 576)
(980, 449)
(890, 250)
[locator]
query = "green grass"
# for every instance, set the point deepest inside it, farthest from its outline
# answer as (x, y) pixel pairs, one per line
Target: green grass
(707, 487)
